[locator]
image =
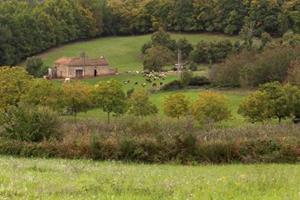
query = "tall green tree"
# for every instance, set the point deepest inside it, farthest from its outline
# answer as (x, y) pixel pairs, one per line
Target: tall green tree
(34, 66)
(157, 57)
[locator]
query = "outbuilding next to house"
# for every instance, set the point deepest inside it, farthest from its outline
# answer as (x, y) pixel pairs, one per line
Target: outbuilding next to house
(80, 67)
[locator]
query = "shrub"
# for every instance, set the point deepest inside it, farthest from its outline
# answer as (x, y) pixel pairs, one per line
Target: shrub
(176, 105)
(185, 77)
(192, 66)
(34, 66)
(173, 85)
(160, 141)
(293, 76)
(199, 81)
(146, 46)
(29, 123)
(210, 108)
(265, 39)
(289, 38)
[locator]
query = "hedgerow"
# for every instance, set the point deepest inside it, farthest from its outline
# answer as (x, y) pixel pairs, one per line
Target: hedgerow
(160, 141)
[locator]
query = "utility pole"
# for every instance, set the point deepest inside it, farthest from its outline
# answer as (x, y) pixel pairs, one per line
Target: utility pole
(179, 60)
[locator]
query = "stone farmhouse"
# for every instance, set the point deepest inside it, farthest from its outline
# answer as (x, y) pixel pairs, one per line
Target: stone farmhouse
(80, 67)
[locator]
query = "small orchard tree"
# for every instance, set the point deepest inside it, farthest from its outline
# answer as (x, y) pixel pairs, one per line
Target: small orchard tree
(157, 57)
(140, 105)
(77, 97)
(34, 66)
(211, 107)
(14, 82)
(110, 97)
(176, 105)
(265, 39)
(44, 93)
(255, 107)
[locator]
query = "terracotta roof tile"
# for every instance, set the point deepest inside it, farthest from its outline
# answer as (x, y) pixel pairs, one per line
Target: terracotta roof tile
(82, 61)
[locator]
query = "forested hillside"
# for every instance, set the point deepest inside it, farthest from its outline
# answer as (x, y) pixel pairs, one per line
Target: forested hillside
(28, 27)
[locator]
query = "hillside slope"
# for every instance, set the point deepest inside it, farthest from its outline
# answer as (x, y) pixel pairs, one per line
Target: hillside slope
(121, 52)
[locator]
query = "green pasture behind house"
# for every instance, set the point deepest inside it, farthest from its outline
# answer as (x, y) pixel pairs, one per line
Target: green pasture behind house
(81, 67)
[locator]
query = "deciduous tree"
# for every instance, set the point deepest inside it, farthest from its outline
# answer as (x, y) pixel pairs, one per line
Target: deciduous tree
(210, 108)
(44, 93)
(14, 82)
(140, 105)
(157, 57)
(110, 97)
(77, 97)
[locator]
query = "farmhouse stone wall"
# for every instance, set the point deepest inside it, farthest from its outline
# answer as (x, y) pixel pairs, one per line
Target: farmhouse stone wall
(81, 67)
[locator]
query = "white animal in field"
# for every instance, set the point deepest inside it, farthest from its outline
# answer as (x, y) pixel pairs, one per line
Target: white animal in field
(67, 80)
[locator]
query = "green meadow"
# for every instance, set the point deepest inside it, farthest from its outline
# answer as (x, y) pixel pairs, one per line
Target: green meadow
(123, 53)
(234, 97)
(22, 178)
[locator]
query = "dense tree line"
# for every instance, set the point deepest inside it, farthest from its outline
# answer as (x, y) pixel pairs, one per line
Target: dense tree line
(28, 27)
(252, 68)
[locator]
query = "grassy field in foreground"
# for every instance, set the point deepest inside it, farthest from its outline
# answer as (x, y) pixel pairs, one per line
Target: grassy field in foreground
(61, 179)
(121, 52)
